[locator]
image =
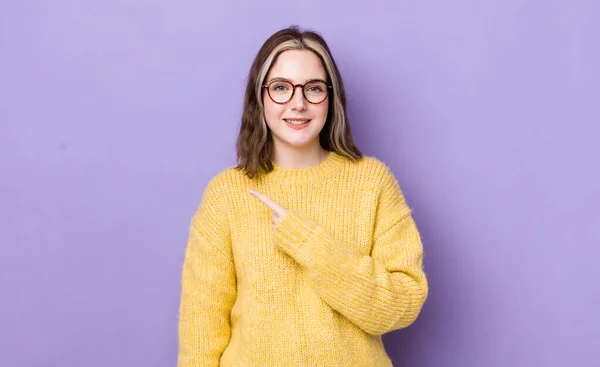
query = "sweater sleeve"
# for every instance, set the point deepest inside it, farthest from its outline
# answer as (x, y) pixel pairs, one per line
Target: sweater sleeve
(379, 292)
(208, 287)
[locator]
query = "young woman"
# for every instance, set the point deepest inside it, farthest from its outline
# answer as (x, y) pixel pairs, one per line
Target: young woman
(306, 252)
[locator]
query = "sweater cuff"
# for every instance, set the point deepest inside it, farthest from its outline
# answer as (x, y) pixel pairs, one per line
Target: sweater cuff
(293, 233)
(297, 234)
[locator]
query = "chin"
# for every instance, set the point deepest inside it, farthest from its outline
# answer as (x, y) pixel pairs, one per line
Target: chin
(297, 139)
(298, 143)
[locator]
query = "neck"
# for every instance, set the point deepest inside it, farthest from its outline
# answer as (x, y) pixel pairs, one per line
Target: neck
(293, 157)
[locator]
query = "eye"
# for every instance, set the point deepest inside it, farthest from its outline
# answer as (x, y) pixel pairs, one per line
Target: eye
(279, 87)
(315, 88)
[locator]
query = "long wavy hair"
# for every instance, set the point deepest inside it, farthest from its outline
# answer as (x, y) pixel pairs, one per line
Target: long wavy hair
(255, 142)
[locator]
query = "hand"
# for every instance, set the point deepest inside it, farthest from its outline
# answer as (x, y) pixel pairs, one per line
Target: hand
(278, 211)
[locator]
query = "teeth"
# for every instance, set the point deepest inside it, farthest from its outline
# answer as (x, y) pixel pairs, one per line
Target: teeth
(297, 122)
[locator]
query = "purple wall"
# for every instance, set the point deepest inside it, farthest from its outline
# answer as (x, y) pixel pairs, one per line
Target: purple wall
(115, 114)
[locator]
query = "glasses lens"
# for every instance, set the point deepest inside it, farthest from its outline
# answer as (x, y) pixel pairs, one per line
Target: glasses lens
(281, 92)
(315, 92)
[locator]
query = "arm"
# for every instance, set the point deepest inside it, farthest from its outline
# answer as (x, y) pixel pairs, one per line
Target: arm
(208, 288)
(379, 293)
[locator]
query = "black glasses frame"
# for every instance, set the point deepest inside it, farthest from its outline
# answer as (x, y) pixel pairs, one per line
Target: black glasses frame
(294, 86)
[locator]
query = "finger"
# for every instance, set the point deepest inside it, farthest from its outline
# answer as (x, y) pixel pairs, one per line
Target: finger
(266, 200)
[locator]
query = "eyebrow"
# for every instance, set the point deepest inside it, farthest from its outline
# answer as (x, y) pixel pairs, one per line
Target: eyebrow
(280, 79)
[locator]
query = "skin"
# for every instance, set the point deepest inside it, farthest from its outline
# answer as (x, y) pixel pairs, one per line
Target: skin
(294, 148)
(278, 211)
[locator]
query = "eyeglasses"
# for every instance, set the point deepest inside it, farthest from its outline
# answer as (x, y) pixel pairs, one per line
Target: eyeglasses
(282, 91)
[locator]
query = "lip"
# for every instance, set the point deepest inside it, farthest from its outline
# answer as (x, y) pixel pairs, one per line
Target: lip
(297, 127)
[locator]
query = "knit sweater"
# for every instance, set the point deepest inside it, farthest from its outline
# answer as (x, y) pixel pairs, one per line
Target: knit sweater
(341, 268)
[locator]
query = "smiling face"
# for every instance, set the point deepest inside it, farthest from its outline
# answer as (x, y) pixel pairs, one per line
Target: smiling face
(297, 123)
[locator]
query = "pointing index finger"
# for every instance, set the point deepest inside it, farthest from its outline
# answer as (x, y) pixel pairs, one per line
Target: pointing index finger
(266, 200)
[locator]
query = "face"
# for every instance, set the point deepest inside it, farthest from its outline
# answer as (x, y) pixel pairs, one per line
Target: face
(298, 122)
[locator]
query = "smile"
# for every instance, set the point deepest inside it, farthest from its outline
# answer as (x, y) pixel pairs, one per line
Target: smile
(297, 122)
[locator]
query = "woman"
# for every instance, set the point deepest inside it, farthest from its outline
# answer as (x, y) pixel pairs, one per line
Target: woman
(306, 252)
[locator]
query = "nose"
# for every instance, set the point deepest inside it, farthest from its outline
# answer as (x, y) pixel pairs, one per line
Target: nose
(298, 102)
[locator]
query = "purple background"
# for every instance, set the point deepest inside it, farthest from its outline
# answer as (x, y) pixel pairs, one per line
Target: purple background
(115, 114)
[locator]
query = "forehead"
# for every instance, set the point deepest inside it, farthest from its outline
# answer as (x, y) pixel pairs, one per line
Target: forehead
(297, 66)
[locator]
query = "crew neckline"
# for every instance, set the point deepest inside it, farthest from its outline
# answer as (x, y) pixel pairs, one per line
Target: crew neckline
(321, 171)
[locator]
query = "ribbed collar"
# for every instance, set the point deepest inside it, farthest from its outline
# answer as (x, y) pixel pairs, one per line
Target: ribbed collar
(320, 172)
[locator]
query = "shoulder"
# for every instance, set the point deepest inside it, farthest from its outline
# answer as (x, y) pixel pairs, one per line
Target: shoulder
(221, 190)
(225, 181)
(228, 177)
(375, 176)
(373, 170)
(384, 185)
(373, 163)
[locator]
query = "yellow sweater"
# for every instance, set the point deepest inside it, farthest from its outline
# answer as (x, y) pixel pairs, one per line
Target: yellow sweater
(343, 267)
